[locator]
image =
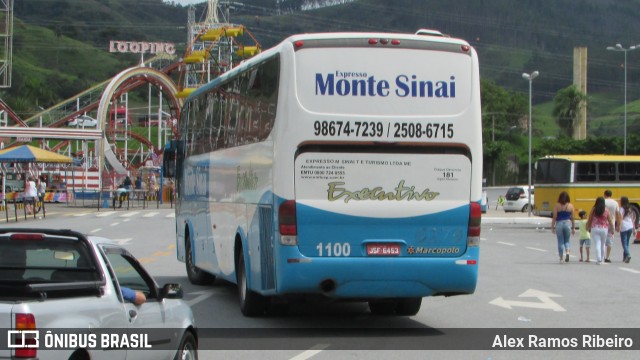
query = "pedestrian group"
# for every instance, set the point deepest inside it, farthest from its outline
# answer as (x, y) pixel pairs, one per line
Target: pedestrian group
(597, 228)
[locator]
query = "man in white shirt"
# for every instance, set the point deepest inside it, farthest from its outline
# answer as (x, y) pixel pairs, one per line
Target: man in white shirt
(614, 214)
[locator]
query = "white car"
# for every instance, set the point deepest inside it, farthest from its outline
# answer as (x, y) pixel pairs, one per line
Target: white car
(87, 288)
(83, 121)
(517, 199)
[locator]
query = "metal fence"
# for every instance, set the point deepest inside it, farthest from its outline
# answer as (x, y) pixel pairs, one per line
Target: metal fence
(17, 206)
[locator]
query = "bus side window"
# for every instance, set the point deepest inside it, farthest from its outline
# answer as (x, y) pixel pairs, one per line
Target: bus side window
(586, 172)
(607, 171)
(629, 171)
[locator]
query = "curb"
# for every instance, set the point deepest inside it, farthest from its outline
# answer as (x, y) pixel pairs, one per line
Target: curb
(539, 221)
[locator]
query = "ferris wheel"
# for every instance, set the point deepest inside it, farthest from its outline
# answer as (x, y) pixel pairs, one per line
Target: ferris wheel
(214, 47)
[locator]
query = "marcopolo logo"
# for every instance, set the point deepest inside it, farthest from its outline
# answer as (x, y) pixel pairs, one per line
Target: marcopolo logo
(363, 85)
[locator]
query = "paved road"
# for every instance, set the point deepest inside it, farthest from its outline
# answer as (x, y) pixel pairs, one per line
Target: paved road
(521, 288)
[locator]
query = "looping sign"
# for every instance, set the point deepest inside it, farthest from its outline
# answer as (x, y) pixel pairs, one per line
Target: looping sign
(138, 47)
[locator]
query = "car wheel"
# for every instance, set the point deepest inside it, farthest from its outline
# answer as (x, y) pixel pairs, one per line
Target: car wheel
(251, 303)
(80, 355)
(195, 275)
(525, 208)
(188, 349)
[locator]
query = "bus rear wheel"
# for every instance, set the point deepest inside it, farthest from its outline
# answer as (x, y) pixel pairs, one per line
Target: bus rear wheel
(251, 303)
(408, 307)
(400, 307)
(382, 307)
(195, 275)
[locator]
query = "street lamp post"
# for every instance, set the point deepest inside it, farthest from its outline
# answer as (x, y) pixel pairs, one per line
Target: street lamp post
(530, 77)
(619, 47)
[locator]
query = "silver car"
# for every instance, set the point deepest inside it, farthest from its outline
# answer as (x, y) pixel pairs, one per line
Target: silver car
(61, 285)
(517, 199)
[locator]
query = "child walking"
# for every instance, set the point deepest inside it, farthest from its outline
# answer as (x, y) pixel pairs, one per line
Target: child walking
(585, 237)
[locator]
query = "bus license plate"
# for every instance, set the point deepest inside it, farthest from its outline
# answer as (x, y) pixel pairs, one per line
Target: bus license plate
(383, 249)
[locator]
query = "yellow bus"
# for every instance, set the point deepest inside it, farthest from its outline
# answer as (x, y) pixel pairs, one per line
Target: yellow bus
(585, 177)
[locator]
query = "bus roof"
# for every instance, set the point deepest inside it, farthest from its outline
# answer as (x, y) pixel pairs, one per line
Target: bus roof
(595, 158)
(338, 39)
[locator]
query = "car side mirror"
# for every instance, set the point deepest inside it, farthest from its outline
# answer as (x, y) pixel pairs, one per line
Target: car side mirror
(171, 291)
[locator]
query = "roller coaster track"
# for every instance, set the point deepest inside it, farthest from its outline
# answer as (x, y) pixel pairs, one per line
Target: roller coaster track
(59, 114)
(89, 100)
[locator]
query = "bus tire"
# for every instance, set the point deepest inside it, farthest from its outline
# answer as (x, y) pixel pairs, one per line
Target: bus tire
(408, 307)
(382, 307)
(195, 275)
(251, 303)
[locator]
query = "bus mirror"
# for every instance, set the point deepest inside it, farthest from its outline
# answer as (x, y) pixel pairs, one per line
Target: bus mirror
(169, 159)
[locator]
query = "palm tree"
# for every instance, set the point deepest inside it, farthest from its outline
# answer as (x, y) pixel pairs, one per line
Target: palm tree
(566, 106)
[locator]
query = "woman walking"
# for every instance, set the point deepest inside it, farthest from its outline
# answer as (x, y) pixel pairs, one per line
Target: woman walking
(563, 224)
(627, 228)
(600, 225)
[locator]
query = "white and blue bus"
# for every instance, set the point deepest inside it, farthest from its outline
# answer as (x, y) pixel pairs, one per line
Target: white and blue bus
(344, 165)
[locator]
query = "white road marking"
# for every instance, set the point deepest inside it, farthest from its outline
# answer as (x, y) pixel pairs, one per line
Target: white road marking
(106, 213)
(129, 214)
(545, 302)
(95, 230)
(536, 249)
(506, 243)
(115, 224)
(151, 214)
(633, 271)
(311, 352)
(123, 241)
(172, 215)
(202, 296)
(80, 214)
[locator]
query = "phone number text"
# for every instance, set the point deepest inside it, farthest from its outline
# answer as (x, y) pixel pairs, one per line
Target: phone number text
(377, 129)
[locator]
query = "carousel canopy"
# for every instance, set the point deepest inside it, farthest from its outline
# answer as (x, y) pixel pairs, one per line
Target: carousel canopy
(31, 154)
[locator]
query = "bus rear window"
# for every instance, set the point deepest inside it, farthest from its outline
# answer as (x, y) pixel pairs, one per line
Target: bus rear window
(553, 172)
(348, 81)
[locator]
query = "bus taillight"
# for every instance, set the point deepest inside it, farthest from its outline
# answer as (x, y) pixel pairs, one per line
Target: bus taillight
(475, 216)
(287, 223)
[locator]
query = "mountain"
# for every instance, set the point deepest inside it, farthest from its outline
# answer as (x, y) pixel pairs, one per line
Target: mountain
(68, 39)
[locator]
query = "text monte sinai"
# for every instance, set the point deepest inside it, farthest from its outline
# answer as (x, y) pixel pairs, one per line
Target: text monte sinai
(362, 84)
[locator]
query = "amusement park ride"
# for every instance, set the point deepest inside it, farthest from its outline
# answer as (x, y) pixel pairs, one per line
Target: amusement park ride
(129, 135)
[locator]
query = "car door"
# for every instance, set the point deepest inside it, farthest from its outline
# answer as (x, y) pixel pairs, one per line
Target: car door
(151, 322)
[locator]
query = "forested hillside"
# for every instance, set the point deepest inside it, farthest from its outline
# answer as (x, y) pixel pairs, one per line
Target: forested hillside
(511, 37)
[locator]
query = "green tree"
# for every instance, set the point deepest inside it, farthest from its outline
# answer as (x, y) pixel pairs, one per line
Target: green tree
(566, 106)
(501, 110)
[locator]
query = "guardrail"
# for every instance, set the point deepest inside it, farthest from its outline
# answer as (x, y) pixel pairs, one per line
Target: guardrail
(19, 204)
(135, 198)
(88, 198)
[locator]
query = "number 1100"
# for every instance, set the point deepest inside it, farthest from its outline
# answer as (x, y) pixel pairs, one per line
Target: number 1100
(334, 249)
